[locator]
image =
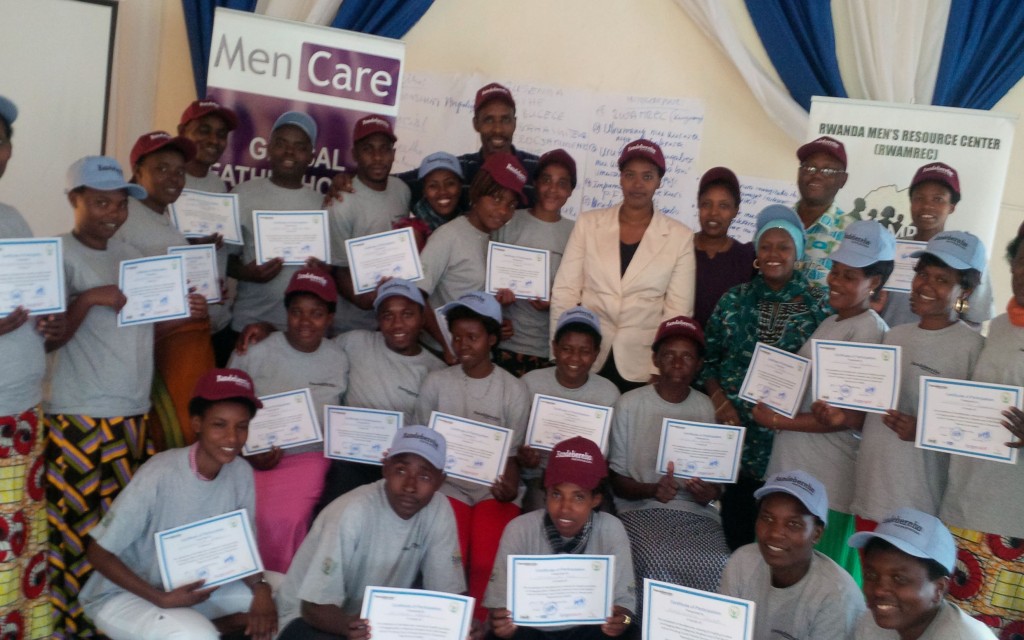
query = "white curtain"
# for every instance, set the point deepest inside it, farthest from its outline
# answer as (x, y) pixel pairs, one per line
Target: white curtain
(133, 80)
(311, 11)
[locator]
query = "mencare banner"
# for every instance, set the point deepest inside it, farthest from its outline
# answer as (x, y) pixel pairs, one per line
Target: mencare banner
(262, 67)
(886, 143)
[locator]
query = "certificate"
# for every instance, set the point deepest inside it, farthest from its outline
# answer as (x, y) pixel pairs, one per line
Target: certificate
(523, 270)
(391, 254)
(359, 435)
(777, 378)
(698, 450)
(555, 419)
(286, 420)
(292, 235)
(477, 451)
(965, 418)
(442, 325)
(672, 612)
(155, 288)
(903, 269)
(563, 589)
(416, 614)
(200, 269)
(199, 213)
(32, 276)
(217, 550)
(856, 375)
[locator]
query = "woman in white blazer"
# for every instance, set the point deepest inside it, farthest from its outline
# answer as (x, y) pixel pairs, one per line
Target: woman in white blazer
(633, 266)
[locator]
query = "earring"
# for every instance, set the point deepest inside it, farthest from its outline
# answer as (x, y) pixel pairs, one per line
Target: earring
(757, 264)
(961, 306)
(871, 294)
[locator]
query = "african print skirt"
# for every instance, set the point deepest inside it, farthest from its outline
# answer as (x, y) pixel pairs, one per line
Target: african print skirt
(989, 580)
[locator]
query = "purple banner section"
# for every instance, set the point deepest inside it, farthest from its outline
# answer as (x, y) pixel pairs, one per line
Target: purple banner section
(246, 155)
(349, 74)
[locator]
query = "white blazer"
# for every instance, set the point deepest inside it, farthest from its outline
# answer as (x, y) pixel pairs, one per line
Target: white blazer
(658, 284)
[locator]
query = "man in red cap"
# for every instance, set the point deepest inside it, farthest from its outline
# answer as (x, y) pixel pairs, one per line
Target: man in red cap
(821, 175)
(206, 124)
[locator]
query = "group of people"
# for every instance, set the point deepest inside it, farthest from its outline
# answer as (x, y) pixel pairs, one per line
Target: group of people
(825, 500)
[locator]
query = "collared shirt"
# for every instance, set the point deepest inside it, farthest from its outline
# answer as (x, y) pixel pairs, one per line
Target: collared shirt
(823, 237)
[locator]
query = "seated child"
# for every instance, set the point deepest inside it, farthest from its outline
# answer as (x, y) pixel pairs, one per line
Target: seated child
(799, 592)
(908, 562)
(124, 597)
(387, 534)
(569, 524)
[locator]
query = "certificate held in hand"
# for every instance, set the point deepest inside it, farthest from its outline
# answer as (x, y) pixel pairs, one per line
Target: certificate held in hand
(859, 376)
(216, 550)
(32, 276)
(524, 271)
(391, 254)
(965, 418)
(291, 235)
(197, 214)
(477, 451)
(286, 420)
(564, 589)
(155, 288)
(416, 614)
(553, 420)
(707, 451)
(672, 612)
(776, 378)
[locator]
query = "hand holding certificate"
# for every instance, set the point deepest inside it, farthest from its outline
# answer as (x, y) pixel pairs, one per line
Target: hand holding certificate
(555, 419)
(32, 276)
(197, 214)
(200, 269)
(407, 614)
(391, 254)
(776, 378)
(853, 375)
(560, 589)
(359, 435)
(216, 550)
(286, 420)
(155, 289)
(477, 451)
(672, 612)
(707, 451)
(965, 418)
(523, 270)
(291, 235)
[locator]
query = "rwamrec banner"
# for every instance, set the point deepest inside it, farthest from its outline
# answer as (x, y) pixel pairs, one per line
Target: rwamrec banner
(262, 67)
(886, 143)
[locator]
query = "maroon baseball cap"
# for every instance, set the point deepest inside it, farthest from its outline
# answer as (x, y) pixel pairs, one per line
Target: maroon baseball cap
(723, 176)
(200, 108)
(938, 172)
(222, 384)
(493, 91)
(576, 460)
(824, 144)
(645, 149)
(319, 283)
(157, 140)
(560, 157)
(371, 124)
(679, 326)
(507, 171)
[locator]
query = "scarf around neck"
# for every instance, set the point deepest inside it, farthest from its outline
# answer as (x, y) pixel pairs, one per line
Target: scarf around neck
(577, 544)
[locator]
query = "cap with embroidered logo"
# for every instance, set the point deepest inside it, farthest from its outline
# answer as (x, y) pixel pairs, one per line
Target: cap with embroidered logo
(303, 121)
(493, 91)
(576, 460)
(824, 144)
(422, 441)
(645, 149)
(222, 384)
(958, 249)
(865, 242)
(681, 327)
(102, 173)
(722, 176)
(397, 287)
(915, 533)
(158, 140)
(200, 108)
(938, 172)
(314, 281)
(560, 157)
(507, 171)
(802, 486)
(440, 160)
(371, 124)
(581, 315)
(478, 302)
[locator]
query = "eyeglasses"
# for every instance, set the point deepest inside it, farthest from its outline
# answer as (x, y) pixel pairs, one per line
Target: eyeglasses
(827, 172)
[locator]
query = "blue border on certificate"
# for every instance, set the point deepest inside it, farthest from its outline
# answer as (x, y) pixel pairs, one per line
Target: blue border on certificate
(332, 409)
(917, 246)
(670, 423)
(748, 626)
(308, 396)
(434, 415)
(816, 372)
(313, 213)
(492, 245)
(405, 231)
(538, 397)
(609, 587)
(58, 269)
(121, 322)
(745, 395)
(205, 248)
(926, 381)
(249, 538)
(232, 197)
(466, 601)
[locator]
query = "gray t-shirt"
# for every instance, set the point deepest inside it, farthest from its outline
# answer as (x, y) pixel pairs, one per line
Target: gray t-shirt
(104, 371)
(384, 379)
(359, 541)
(951, 624)
(164, 493)
(454, 262)
(499, 399)
(824, 604)
(532, 327)
(829, 457)
(151, 233)
(526, 536)
(256, 301)
(636, 432)
(980, 306)
(276, 367)
(20, 385)
(210, 183)
(983, 495)
(891, 473)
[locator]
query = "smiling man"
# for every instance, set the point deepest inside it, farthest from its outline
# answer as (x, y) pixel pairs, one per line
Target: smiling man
(800, 593)
(821, 175)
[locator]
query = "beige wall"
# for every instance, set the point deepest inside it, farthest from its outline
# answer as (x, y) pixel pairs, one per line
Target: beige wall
(648, 47)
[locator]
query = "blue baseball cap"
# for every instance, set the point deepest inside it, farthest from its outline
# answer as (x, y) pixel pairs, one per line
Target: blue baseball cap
(915, 533)
(8, 110)
(865, 242)
(477, 301)
(802, 486)
(398, 287)
(958, 249)
(580, 315)
(440, 160)
(102, 173)
(297, 119)
(777, 216)
(423, 441)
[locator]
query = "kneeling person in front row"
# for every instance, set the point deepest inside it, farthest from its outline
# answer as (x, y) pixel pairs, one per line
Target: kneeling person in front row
(384, 534)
